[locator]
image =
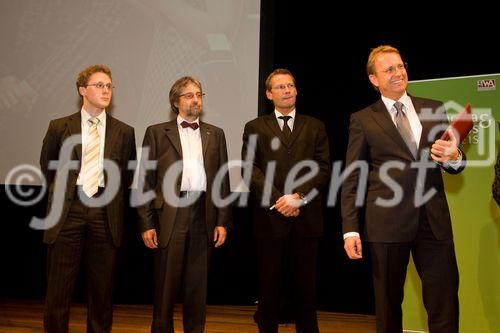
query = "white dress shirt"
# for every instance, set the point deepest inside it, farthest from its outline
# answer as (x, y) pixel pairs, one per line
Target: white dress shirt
(193, 170)
(101, 129)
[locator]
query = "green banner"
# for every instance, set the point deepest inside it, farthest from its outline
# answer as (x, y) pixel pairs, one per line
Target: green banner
(475, 215)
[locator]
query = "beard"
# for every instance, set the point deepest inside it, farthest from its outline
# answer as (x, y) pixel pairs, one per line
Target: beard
(194, 111)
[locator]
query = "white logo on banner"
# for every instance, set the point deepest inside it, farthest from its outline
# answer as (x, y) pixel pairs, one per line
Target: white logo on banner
(486, 85)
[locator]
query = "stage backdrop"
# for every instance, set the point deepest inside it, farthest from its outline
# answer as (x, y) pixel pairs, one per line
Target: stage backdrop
(475, 215)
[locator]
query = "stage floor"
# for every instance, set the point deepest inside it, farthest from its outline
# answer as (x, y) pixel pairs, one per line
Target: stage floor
(26, 316)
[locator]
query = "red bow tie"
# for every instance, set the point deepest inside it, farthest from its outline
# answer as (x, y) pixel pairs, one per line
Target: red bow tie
(185, 124)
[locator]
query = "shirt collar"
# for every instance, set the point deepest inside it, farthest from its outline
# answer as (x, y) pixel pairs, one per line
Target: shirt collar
(279, 114)
(180, 120)
(86, 116)
(389, 103)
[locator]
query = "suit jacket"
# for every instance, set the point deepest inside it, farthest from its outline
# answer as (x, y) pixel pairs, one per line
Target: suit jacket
(119, 147)
(165, 147)
(308, 141)
(374, 138)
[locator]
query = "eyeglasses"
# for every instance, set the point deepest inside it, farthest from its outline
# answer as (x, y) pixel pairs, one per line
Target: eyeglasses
(393, 69)
(101, 85)
(284, 86)
(191, 95)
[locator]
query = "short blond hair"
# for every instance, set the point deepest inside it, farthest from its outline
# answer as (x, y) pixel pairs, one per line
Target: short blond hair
(370, 65)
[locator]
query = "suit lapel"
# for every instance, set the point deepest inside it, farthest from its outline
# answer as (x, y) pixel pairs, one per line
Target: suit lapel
(75, 128)
(272, 122)
(298, 124)
(172, 133)
(205, 138)
(110, 136)
(384, 120)
(426, 125)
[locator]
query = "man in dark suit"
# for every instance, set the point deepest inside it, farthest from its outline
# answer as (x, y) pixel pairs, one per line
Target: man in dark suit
(288, 218)
(389, 137)
(97, 230)
(183, 221)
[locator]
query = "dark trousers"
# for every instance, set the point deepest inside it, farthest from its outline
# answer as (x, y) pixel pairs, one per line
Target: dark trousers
(437, 267)
(183, 266)
(273, 254)
(85, 233)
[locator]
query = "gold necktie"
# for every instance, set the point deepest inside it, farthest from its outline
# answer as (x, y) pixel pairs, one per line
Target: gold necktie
(90, 166)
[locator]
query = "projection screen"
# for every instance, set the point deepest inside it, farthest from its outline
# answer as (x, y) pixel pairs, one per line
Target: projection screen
(148, 44)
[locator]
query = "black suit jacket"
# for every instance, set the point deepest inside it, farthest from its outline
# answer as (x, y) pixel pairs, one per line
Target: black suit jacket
(374, 138)
(165, 147)
(308, 142)
(119, 147)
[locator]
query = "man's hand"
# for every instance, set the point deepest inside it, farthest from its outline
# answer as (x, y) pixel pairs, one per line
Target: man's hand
(220, 234)
(150, 239)
(288, 205)
(444, 151)
(352, 246)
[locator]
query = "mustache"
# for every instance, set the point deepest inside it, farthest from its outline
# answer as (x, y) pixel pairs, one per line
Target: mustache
(194, 110)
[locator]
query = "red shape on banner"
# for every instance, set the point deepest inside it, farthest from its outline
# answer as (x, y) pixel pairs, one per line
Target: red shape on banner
(461, 125)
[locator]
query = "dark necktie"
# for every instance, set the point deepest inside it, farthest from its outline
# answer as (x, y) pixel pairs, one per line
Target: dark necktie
(286, 129)
(403, 126)
(185, 124)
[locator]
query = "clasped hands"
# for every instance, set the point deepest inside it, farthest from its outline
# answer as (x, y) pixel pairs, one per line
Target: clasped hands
(288, 205)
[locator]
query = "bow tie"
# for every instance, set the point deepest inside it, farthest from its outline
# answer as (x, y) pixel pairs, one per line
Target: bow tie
(185, 124)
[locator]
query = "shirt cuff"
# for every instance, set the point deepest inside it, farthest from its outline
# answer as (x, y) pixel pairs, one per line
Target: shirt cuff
(454, 164)
(351, 234)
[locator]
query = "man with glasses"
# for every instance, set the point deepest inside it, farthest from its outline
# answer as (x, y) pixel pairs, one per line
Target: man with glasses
(393, 139)
(182, 223)
(288, 217)
(93, 231)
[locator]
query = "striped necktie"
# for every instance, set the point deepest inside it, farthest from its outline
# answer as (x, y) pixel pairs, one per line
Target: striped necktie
(90, 166)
